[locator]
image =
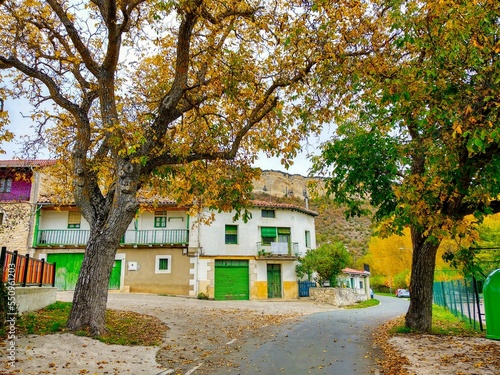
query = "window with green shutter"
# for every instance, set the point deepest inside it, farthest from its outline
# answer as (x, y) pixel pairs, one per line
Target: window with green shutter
(163, 264)
(74, 219)
(268, 235)
(160, 219)
(231, 234)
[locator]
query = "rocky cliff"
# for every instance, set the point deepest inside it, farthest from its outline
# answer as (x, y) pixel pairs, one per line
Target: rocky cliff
(282, 184)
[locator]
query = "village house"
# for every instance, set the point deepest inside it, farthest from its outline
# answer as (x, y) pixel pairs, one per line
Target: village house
(164, 250)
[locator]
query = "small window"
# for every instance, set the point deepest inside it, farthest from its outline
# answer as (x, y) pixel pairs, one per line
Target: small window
(268, 213)
(308, 239)
(163, 264)
(268, 235)
(1, 218)
(5, 185)
(231, 234)
(160, 219)
(74, 219)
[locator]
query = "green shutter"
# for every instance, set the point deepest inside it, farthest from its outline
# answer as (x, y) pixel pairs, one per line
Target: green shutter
(268, 232)
(231, 229)
(284, 231)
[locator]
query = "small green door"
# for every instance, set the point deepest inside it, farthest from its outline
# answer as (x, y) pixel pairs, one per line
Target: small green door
(68, 268)
(114, 280)
(274, 281)
(232, 280)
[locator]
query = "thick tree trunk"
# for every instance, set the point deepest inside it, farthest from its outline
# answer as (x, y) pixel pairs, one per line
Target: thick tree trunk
(91, 292)
(419, 316)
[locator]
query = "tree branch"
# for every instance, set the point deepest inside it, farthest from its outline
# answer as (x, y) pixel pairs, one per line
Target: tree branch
(75, 38)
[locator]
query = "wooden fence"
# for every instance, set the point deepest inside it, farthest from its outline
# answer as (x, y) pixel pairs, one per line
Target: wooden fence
(26, 271)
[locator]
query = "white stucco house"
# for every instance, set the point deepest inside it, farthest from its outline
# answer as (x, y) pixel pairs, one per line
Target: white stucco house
(256, 259)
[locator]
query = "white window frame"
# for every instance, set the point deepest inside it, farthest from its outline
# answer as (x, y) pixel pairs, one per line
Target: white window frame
(157, 264)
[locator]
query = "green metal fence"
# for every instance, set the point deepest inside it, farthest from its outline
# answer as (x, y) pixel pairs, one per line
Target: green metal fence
(462, 298)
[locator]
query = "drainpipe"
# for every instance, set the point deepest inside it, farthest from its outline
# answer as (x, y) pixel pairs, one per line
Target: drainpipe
(34, 213)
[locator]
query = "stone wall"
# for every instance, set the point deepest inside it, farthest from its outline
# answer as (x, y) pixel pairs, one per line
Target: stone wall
(336, 296)
(15, 230)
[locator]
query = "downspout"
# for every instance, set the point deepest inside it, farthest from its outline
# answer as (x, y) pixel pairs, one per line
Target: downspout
(34, 213)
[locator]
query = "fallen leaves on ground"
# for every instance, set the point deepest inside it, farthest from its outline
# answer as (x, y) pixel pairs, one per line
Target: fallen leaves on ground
(424, 354)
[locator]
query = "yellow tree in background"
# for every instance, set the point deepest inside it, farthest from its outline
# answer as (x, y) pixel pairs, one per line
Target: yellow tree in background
(390, 261)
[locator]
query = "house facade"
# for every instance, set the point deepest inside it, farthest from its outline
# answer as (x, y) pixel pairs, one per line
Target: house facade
(164, 250)
(254, 259)
(152, 256)
(356, 280)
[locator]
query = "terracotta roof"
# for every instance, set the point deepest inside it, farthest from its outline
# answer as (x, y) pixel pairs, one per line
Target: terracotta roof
(287, 206)
(352, 271)
(21, 163)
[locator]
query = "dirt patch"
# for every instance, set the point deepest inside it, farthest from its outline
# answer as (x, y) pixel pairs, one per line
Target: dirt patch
(429, 354)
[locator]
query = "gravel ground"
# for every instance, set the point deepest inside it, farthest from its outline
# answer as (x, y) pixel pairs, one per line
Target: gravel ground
(203, 336)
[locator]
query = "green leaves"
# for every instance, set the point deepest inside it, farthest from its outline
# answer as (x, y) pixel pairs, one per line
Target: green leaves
(327, 261)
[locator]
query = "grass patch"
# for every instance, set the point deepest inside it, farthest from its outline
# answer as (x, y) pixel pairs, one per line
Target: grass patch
(443, 323)
(363, 304)
(122, 327)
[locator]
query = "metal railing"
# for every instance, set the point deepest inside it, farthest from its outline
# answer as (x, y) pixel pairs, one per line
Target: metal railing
(278, 248)
(80, 237)
(25, 271)
(461, 298)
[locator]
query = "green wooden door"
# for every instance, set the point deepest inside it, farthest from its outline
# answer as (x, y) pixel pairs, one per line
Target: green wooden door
(273, 281)
(114, 280)
(68, 268)
(232, 280)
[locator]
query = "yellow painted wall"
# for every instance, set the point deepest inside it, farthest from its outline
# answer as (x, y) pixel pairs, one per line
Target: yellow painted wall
(290, 290)
(145, 280)
(259, 290)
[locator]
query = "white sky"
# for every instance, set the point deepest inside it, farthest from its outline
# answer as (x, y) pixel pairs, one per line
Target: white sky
(22, 126)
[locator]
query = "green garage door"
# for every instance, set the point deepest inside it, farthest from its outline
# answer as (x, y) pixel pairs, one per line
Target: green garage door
(232, 280)
(68, 268)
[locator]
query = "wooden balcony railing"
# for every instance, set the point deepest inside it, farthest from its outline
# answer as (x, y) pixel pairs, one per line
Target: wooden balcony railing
(77, 237)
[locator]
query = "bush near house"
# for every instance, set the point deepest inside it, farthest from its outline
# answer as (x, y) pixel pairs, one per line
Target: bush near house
(327, 261)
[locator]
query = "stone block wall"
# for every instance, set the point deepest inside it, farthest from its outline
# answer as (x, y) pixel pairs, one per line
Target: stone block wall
(336, 296)
(15, 232)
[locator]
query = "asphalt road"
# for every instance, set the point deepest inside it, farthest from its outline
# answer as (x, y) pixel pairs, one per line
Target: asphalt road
(336, 342)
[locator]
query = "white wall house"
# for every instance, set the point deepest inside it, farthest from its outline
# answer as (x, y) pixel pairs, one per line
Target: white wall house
(256, 259)
(152, 256)
(166, 251)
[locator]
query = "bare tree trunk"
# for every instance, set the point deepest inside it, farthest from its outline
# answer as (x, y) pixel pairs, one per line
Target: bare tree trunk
(91, 292)
(419, 315)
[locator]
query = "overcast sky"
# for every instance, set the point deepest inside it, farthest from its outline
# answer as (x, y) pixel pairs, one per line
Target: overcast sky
(21, 126)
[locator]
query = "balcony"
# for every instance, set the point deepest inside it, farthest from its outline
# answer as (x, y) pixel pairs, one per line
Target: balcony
(278, 250)
(77, 237)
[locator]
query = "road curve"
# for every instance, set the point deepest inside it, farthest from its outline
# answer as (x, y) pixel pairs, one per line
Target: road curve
(334, 342)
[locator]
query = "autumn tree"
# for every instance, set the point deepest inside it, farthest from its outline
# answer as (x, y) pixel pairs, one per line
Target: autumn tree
(168, 97)
(419, 135)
